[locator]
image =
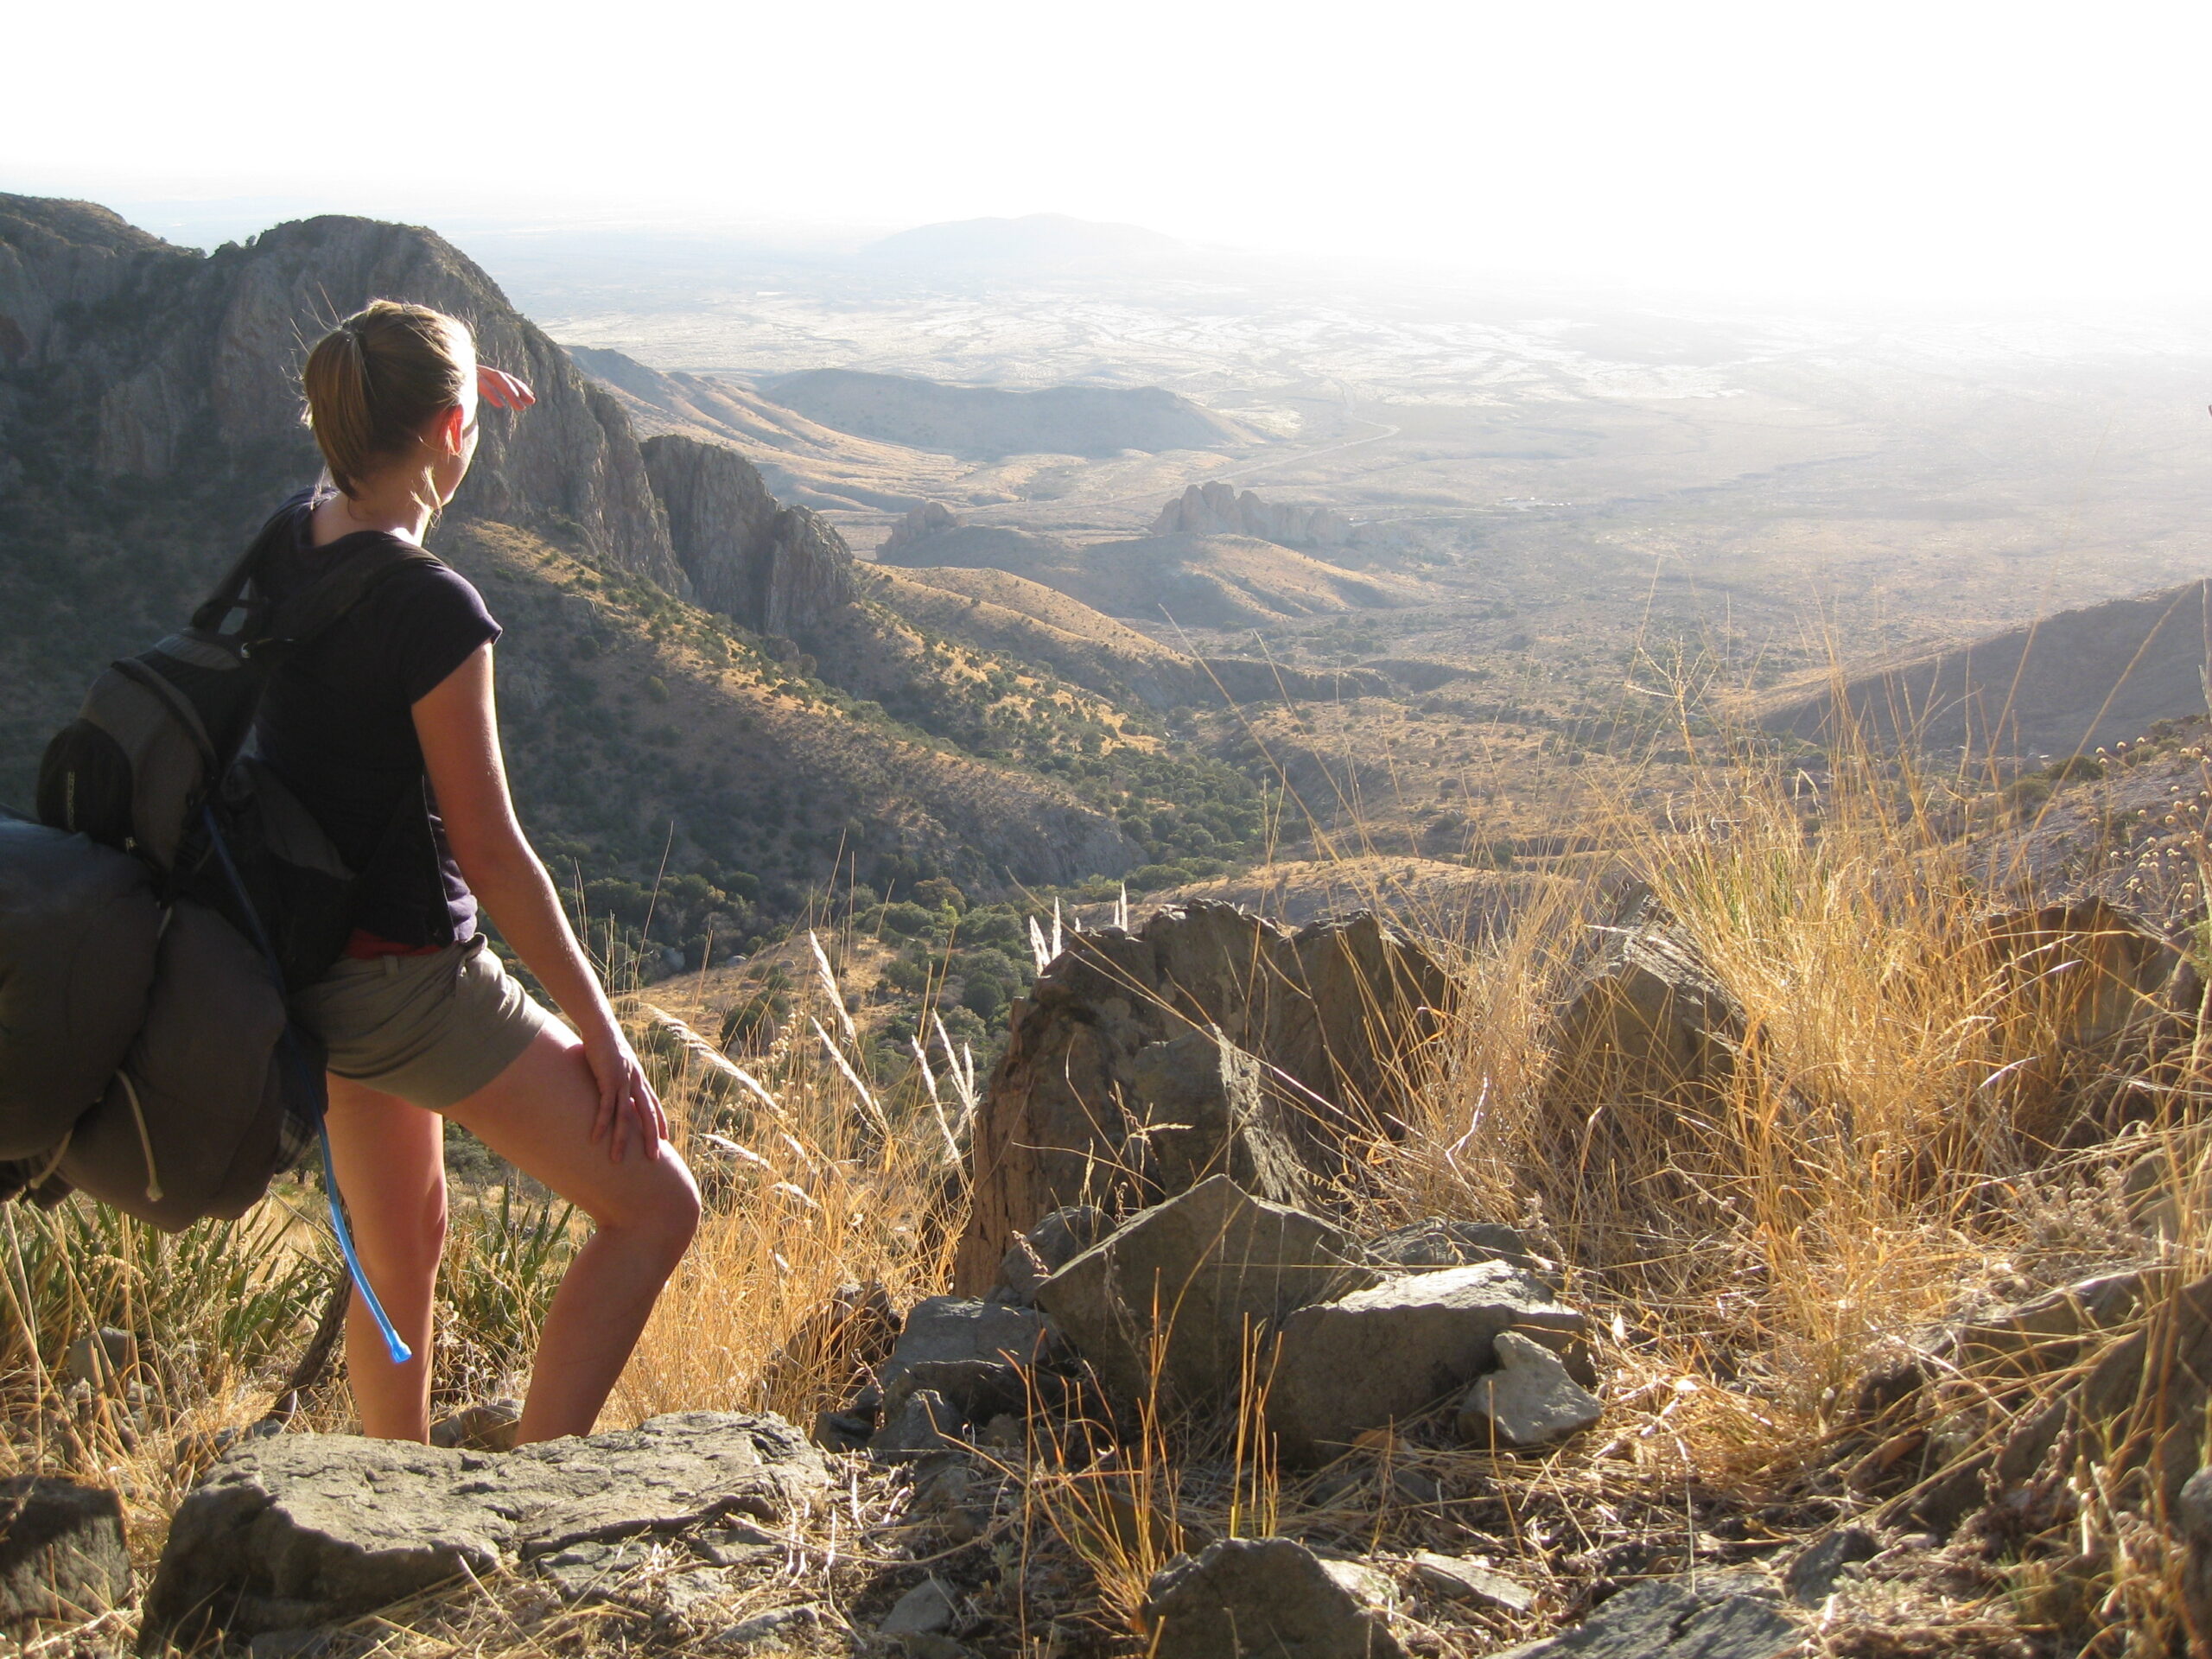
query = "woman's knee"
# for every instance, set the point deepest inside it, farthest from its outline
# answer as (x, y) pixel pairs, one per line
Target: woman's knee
(661, 1213)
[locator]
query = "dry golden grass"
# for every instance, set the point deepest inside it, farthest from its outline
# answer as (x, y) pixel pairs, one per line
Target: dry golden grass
(1906, 1136)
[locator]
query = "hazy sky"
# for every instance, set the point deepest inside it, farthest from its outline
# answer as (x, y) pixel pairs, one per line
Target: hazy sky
(1795, 145)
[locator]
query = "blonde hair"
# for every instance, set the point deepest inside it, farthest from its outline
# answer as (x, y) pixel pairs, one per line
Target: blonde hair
(377, 379)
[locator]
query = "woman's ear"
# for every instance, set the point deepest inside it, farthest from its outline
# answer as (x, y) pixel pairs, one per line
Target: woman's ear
(452, 430)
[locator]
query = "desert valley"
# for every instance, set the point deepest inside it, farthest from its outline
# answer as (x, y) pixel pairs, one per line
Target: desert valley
(1642, 859)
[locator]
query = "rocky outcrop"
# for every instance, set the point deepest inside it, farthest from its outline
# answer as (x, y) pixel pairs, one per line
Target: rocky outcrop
(151, 358)
(1736, 1615)
(1215, 509)
(930, 519)
(1335, 1016)
(1183, 1297)
(309, 1530)
(775, 569)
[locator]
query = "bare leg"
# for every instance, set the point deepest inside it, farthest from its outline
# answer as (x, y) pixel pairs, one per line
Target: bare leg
(390, 1162)
(538, 1115)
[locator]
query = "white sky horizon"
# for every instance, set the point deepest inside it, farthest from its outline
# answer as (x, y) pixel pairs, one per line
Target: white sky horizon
(1942, 154)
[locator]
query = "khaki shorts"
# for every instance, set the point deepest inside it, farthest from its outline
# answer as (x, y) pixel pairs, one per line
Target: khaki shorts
(430, 1029)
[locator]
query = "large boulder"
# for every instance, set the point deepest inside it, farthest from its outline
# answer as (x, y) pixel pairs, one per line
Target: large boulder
(306, 1529)
(1260, 1599)
(1381, 1355)
(61, 1551)
(1192, 1288)
(1336, 1017)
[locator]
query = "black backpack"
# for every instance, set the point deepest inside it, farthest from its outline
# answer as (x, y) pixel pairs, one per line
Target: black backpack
(164, 1074)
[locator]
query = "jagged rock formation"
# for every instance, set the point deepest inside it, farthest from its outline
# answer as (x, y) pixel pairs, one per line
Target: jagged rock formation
(1334, 1013)
(153, 360)
(930, 519)
(988, 423)
(775, 569)
(1216, 510)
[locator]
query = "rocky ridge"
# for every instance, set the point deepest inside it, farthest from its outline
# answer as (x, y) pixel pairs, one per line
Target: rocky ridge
(1215, 509)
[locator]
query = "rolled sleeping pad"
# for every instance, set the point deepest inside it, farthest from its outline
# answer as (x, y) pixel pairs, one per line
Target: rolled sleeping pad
(79, 926)
(190, 1124)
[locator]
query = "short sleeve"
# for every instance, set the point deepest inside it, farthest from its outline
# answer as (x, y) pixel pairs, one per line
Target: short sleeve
(434, 620)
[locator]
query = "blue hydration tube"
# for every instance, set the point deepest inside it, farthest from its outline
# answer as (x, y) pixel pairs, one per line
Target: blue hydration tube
(311, 1087)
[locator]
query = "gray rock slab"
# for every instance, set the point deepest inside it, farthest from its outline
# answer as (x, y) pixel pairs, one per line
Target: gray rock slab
(1213, 1269)
(926, 1422)
(62, 1550)
(1388, 1353)
(1469, 1580)
(973, 1353)
(1713, 1616)
(1048, 1246)
(1815, 1571)
(305, 1529)
(1246, 1598)
(1529, 1401)
(926, 1610)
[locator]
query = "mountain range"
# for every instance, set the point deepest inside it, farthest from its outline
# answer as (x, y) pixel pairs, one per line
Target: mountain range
(693, 677)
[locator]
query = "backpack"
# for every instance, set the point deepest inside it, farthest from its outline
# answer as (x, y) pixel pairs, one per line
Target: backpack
(153, 922)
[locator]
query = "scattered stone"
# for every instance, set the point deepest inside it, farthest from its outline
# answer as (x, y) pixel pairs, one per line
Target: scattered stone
(103, 1359)
(1046, 1248)
(1468, 1580)
(1382, 1355)
(1437, 1242)
(1215, 1267)
(1736, 1615)
(1259, 1597)
(974, 1354)
(1370, 1586)
(844, 1431)
(307, 1530)
(489, 1426)
(1529, 1401)
(926, 1422)
(62, 1550)
(772, 1631)
(1814, 1573)
(925, 1610)
(1332, 1013)
(2042, 1333)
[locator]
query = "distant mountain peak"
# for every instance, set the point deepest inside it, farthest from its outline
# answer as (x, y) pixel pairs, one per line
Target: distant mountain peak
(1041, 240)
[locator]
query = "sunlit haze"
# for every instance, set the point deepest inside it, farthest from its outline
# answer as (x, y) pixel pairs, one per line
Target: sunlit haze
(1946, 151)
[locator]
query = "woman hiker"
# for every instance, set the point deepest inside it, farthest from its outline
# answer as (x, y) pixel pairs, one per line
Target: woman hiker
(384, 728)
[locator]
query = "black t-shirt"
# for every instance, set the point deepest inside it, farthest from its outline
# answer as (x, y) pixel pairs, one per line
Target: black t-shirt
(337, 724)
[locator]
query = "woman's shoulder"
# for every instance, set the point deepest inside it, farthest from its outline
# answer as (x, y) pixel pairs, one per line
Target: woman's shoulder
(430, 620)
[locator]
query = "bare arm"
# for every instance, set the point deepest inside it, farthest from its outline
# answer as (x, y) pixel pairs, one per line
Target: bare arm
(459, 728)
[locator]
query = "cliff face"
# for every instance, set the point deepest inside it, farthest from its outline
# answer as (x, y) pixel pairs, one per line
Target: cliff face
(775, 569)
(149, 359)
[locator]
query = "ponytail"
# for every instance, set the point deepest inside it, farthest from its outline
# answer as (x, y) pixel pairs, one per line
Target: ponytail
(376, 379)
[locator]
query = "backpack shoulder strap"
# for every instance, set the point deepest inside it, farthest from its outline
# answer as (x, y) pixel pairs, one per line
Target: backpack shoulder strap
(306, 615)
